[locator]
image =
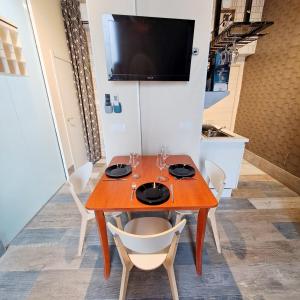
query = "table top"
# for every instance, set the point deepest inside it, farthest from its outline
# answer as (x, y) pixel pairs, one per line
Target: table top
(115, 195)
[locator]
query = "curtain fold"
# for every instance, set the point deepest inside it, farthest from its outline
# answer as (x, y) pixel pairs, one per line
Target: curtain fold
(78, 48)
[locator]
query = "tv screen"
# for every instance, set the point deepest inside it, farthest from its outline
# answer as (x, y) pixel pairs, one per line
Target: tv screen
(146, 48)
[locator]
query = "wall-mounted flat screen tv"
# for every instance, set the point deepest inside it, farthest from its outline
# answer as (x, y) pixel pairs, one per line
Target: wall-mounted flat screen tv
(146, 48)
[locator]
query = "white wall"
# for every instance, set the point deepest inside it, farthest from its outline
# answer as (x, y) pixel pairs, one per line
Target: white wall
(171, 112)
(30, 160)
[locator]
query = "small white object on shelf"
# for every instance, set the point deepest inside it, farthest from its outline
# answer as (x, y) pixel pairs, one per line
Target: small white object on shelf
(12, 61)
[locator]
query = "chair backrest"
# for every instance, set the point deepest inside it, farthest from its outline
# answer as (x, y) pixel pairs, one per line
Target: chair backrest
(216, 176)
(81, 177)
(78, 182)
(147, 244)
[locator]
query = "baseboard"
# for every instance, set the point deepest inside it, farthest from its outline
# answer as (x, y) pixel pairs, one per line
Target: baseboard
(288, 179)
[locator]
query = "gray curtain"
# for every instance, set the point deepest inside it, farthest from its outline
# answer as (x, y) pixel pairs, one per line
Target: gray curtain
(78, 47)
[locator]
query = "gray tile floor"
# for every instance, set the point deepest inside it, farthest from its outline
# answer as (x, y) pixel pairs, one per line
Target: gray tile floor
(259, 228)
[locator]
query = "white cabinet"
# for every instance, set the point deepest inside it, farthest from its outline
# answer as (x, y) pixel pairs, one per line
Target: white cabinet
(226, 152)
(11, 58)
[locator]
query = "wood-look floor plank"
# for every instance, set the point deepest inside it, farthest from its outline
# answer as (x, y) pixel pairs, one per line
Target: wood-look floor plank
(276, 202)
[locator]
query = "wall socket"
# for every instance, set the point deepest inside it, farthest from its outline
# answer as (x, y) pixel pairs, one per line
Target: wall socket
(108, 106)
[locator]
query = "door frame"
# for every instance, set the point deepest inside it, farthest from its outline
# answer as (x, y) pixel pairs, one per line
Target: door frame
(54, 71)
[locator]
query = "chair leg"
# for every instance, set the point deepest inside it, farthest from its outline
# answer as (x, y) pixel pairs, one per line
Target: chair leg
(178, 218)
(214, 227)
(82, 234)
(172, 279)
(119, 222)
(124, 282)
(129, 216)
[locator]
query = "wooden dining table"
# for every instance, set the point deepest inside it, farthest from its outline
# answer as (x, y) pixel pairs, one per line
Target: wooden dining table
(115, 195)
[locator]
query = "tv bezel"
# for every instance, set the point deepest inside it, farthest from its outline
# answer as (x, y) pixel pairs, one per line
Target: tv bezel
(134, 77)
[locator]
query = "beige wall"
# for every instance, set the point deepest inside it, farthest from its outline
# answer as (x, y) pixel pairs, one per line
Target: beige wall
(269, 107)
(49, 29)
(52, 40)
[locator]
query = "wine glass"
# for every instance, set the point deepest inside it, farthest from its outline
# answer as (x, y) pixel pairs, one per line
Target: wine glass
(234, 53)
(161, 165)
(164, 154)
(134, 161)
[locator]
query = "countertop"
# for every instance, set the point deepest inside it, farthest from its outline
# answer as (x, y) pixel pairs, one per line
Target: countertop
(234, 137)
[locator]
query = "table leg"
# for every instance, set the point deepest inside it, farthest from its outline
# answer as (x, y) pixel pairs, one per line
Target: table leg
(201, 224)
(100, 218)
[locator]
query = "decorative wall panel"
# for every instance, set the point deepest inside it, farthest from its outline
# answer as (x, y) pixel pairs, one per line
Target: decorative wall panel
(269, 107)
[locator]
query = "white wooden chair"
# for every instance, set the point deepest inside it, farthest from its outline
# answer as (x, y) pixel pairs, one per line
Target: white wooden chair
(147, 243)
(217, 177)
(78, 182)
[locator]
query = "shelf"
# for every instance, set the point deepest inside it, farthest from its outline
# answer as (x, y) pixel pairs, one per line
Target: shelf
(12, 61)
(19, 54)
(13, 67)
(240, 34)
(4, 68)
(22, 67)
(5, 35)
(211, 98)
(2, 51)
(14, 36)
(9, 53)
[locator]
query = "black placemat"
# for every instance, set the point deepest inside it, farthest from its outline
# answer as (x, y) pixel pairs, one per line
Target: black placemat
(118, 171)
(181, 170)
(152, 193)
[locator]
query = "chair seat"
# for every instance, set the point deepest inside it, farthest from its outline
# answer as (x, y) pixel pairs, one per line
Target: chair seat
(147, 262)
(147, 226)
